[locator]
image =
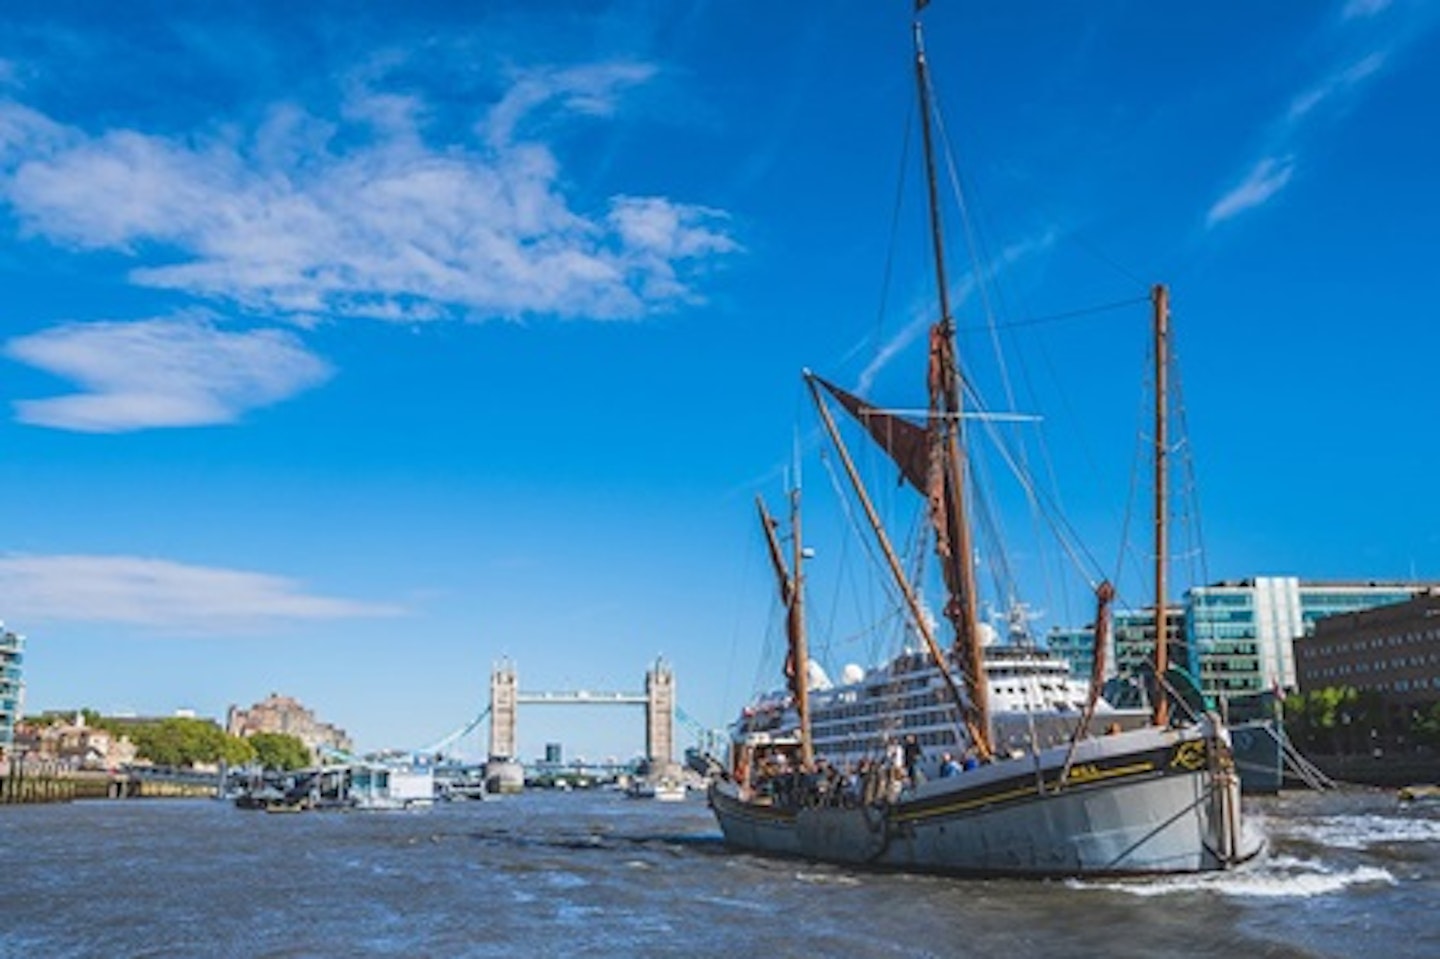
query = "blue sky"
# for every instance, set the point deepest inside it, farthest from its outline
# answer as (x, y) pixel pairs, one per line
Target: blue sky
(346, 351)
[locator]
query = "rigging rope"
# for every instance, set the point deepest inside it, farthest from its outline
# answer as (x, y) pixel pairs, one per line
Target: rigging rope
(886, 585)
(1065, 315)
(894, 226)
(1192, 498)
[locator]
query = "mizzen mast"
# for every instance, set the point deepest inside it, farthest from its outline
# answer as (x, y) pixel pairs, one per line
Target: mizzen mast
(792, 593)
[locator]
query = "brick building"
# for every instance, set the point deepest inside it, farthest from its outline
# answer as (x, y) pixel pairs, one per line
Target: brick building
(285, 714)
(1390, 651)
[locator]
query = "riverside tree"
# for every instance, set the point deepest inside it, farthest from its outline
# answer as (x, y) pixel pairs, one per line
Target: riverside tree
(279, 751)
(182, 741)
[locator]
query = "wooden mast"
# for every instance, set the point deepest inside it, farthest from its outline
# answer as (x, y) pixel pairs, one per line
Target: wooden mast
(792, 594)
(1160, 299)
(946, 494)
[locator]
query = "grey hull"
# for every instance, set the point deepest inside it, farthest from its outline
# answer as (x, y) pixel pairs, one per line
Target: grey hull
(1148, 801)
(1259, 756)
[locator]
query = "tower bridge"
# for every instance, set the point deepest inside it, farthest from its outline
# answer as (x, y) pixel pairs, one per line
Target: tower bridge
(658, 701)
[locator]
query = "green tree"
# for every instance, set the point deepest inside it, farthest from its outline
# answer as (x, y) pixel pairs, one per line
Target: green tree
(179, 741)
(237, 751)
(280, 751)
(1329, 718)
(1427, 726)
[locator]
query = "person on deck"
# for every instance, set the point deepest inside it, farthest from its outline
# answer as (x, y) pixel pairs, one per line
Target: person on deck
(913, 755)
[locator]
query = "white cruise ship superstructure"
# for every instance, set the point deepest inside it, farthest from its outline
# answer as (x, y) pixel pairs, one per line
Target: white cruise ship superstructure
(1034, 703)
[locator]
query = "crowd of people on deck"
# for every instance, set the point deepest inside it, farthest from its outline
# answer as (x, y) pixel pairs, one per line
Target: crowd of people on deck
(779, 777)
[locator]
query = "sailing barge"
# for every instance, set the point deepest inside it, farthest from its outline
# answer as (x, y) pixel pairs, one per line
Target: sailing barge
(1162, 797)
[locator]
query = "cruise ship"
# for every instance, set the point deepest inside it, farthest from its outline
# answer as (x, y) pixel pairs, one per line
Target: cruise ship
(1034, 701)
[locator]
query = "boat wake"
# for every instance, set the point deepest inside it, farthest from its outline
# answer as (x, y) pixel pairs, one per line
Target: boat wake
(1279, 877)
(1358, 832)
(826, 879)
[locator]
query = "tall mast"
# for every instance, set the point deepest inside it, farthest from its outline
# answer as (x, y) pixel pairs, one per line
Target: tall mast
(797, 665)
(1160, 299)
(800, 640)
(946, 493)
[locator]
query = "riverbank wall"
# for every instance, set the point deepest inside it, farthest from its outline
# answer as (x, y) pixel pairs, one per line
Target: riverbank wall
(20, 788)
(1383, 770)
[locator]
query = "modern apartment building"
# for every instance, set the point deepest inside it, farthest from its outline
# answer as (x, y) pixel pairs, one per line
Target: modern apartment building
(12, 686)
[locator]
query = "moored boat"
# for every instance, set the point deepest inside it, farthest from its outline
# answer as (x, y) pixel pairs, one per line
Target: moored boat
(662, 790)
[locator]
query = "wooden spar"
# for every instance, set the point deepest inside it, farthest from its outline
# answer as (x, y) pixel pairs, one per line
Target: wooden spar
(948, 509)
(1104, 594)
(937, 239)
(978, 734)
(801, 641)
(1160, 298)
(791, 594)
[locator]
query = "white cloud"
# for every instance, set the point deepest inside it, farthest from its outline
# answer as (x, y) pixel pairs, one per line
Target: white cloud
(588, 90)
(960, 294)
(1265, 179)
(163, 595)
(1356, 9)
(24, 131)
(175, 371)
(1339, 82)
(359, 216)
(1331, 94)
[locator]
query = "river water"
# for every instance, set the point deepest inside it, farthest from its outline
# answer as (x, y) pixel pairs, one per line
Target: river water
(595, 874)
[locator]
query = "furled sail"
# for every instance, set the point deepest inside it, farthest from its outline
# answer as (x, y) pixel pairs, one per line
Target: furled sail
(907, 442)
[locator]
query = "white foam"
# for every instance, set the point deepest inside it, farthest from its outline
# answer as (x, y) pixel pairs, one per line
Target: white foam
(1361, 832)
(1280, 877)
(822, 879)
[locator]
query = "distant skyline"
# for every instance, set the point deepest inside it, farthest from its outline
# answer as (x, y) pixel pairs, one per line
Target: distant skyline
(347, 351)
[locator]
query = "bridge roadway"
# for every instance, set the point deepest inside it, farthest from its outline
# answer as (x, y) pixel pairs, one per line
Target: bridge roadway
(583, 697)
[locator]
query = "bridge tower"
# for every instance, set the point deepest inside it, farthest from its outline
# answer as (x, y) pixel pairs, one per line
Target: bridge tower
(660, 714)
(504, 704)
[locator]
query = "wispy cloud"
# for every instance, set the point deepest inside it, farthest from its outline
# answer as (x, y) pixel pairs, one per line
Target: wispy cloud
(163, 595)
(590, 90)
(24, 131)
(1358, 9)
(961, 292)
(1335, 84)
(1331, 94)
(1267, 178)
(174, 371)
(358, 215)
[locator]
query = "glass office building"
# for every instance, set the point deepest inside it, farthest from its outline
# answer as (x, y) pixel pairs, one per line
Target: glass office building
(1235, 637)
(1242, 633)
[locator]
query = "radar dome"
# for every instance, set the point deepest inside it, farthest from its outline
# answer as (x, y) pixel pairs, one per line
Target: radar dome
(988, 634)
(851, 674)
